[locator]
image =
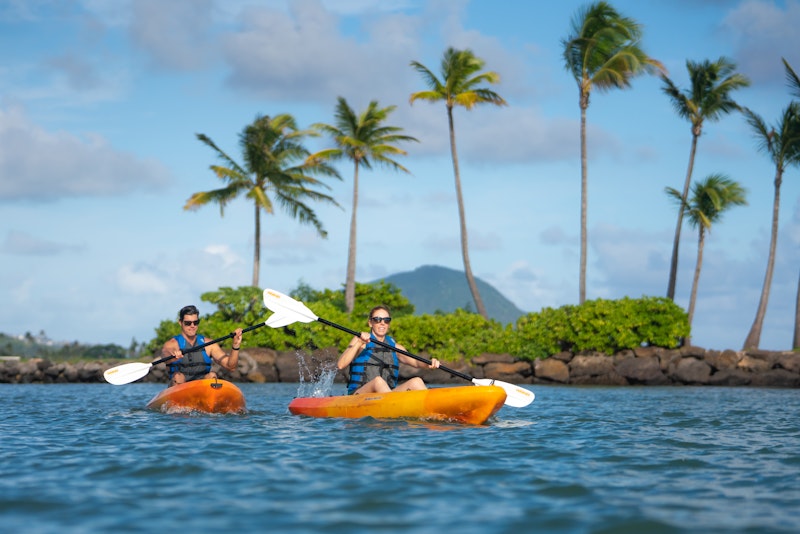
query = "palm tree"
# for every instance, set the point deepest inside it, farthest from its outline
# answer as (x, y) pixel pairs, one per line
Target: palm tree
(794, 84)
(602, 52)
(782, 144)
(710, 199)
(277, 169)
(707, 99)
(364, 139)
(460, 85)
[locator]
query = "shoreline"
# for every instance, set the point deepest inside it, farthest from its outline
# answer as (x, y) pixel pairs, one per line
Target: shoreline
(693, 366)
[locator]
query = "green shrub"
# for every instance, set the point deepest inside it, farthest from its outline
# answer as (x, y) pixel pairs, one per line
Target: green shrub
(451, 336)
(601, 325)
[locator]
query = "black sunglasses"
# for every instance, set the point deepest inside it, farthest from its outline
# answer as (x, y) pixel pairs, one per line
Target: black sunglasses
(191, 323)
(386, 320)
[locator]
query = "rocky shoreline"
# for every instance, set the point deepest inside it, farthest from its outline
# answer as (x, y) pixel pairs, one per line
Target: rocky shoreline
(652, 366)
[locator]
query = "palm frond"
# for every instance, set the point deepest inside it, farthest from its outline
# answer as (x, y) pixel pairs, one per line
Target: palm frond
(603, 49)
(791, 78)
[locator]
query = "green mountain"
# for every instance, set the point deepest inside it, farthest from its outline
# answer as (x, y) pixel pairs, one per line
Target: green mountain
(431, 288)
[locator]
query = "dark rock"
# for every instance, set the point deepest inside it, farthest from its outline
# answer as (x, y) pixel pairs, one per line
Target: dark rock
(287, 366)
(563, 356)
(690, 351)
(610, 379)
(585, 366)
(53, 371)
(770, 358)
(645, 352)
(790, 361)
(776, 378)
(754, 365)
(691, 371)
(641, 371)
(519, 372)
(727, 359)
(552, 370)
(668, 359)
(486, 358)
(730, 377)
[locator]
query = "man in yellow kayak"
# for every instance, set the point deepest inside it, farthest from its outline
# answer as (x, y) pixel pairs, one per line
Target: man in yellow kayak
(376, 369)
(197, 364)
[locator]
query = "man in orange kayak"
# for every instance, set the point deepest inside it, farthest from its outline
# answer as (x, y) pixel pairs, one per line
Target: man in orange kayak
(376, 369)
(197, 364)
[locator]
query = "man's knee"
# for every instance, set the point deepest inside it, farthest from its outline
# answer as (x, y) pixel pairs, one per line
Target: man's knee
(177, 378)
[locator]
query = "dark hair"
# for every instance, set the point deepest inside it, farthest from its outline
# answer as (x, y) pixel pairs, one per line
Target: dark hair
(188, 310)
(379, 307)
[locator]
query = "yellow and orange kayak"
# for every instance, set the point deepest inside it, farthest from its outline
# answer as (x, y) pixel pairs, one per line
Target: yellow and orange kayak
(471, 405)
(208, 395)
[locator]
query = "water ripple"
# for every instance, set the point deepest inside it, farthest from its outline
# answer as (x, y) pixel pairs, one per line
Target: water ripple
(89, 458)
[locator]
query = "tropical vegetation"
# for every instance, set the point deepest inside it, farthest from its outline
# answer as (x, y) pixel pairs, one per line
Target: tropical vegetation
(706, 99)
(277, 169)
(599, 325)
(363, 139)
(460, 83)
(710, 199)
(781, 143)
(603, 52)
(794, 85)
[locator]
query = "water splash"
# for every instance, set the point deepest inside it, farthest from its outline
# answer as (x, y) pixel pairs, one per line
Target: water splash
(316, 379)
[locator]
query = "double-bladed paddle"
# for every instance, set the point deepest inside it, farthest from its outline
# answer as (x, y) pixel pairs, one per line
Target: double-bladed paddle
(288, 310)
(131, 372)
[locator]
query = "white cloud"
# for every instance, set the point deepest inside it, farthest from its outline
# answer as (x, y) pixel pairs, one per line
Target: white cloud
(762, 30)
(175, 34)
(39, 165)
(25, 244)
(141, 280)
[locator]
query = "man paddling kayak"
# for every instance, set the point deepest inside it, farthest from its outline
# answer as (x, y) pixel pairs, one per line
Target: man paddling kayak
(196, 365)
(376, 369)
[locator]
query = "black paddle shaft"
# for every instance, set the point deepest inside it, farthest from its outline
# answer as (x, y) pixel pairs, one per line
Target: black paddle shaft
(386, 345)
(204, 345)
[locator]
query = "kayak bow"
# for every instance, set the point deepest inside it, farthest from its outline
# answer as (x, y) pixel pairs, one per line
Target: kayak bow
(206, 395)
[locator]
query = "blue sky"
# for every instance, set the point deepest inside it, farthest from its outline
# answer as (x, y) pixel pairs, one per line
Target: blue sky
(100, 102)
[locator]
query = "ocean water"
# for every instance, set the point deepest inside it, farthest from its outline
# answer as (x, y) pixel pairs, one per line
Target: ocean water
(88, 458)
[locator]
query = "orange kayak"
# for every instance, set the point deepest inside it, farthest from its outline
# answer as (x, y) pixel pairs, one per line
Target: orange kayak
(210, 396)
(471, 405)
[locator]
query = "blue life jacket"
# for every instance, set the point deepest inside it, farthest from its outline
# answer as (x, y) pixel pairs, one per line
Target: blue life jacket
(374, 360)
(194, 365)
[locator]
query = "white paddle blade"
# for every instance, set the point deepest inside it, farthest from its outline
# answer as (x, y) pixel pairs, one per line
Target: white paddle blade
(277, 320)
(126, 373)
(516, 396)
(287, 308)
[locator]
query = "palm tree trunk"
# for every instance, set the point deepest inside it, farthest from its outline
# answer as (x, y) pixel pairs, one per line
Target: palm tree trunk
(350, 282)
(796, 341)
(695, 282)
(584, 203)
(473, 287)
(754, 336)
(673, 266)
(257, 251)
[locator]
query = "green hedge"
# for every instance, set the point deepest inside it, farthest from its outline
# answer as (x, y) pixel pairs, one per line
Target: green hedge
(599, 325)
